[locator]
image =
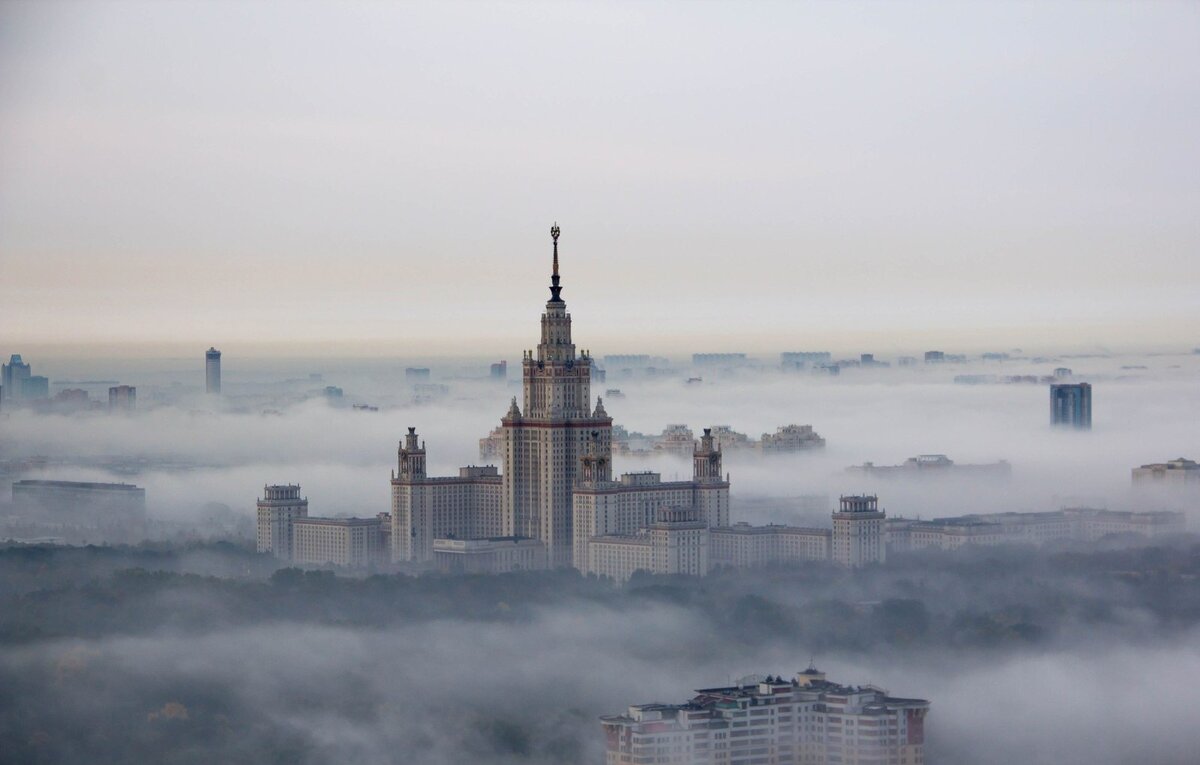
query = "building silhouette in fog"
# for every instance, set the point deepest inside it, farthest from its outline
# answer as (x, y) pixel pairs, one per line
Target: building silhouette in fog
(12, 377)
(1071, 405)
(122, 398)
(212, 371)
(858, 532)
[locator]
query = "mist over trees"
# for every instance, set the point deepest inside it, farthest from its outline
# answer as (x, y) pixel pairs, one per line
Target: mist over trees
(208, 652)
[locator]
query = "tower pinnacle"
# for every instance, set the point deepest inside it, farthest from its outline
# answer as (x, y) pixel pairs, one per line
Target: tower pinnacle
(555, 289)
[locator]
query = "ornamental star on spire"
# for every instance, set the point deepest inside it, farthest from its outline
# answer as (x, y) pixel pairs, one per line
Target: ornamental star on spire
(555, 289)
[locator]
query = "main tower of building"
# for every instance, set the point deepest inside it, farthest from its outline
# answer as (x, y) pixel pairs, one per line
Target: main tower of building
(546, 439)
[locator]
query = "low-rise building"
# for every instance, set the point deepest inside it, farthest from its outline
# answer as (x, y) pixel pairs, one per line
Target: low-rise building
(349, 542)
(791, 438)
(82, 511)
(1178, 472)
(806, 720)
(286, 531)
(675, 543)
(991, 529)
(932, 466)
(494, 555)
(742, 545)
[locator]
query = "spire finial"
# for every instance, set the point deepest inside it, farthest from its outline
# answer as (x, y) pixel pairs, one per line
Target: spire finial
(555, 289)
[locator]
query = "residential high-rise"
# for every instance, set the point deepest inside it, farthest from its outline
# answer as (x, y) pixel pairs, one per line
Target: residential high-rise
(212, 371)
(806, 720)
(34, 387)
(281, 504)
(1071, 405)
(12, 377)
(122, 398)
(858, 531)
(545, 439)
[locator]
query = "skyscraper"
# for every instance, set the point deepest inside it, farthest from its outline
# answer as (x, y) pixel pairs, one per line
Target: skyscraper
(11, 376)
(1071, 405)
(122, 398)
(545, 440)
(212, 371)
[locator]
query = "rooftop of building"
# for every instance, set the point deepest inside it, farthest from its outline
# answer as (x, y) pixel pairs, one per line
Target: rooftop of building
(1179, 463)
(742, 527)
(87, 485)
(755, 689)
(312, 520)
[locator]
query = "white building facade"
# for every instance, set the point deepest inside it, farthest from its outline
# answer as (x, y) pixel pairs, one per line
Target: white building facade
(806, 720)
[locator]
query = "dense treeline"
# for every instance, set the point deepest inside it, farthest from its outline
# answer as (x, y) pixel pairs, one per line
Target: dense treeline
(970, 599)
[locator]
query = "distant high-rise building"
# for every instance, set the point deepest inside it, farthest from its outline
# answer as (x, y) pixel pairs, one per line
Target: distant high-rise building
(279, 507)
(499, 371)
(934, 357)
(416, 374)
(122, 398)
(858, 531)
(11, 376)
(1071, 405)
(212, 371)
(34, 387)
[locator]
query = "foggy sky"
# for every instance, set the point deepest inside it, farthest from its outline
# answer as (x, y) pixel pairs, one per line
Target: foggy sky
(380, 178)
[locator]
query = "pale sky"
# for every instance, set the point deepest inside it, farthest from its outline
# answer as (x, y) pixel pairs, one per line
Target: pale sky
(380, 178)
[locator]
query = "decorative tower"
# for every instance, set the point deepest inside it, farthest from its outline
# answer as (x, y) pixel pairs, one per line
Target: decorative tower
(706, 459)
(545, 441)
(412, 528)
(411, 458)
(596, 463)
(712, 488)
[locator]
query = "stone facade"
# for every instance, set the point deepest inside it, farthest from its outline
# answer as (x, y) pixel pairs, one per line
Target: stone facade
(859, 537)
(426, 508)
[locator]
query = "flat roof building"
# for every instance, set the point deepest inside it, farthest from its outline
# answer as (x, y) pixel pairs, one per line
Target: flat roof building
(492, 555)
(1176, 472)
(1071, 405)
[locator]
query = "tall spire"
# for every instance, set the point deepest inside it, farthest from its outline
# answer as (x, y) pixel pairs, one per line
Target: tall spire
(555, 289)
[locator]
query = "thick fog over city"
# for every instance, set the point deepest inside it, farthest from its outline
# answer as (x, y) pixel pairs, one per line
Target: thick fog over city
(641, 384)
(195, 452)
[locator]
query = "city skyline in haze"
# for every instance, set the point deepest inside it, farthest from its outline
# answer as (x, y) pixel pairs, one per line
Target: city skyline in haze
(727, 178)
